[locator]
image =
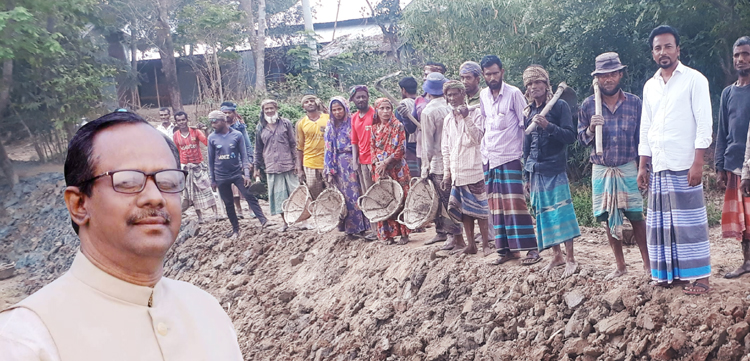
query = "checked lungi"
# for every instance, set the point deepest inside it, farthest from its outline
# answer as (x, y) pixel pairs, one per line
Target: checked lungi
(198, 186)
(314, 181)
(735, 215)
(510, 221)
(469, 200)
(280, 186)
(677, 228)
(556, 220)
(615, 195)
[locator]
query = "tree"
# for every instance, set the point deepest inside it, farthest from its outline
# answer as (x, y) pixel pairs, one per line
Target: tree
(387, 14)
(166, 52)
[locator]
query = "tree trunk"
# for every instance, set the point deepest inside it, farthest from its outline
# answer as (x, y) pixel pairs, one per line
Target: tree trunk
(7, 79)
(134, 65)
(115, 49)
(259, 50)
(253, 39)
(166, 52)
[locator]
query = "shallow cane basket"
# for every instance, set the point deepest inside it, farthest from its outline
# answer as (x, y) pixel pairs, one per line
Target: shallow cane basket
(296, 206)
(328, 210)
(382, 201)
(421, 205)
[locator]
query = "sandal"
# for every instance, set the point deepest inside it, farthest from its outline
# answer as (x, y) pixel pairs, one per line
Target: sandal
(696, 288)
(529, 260)
(504, 258)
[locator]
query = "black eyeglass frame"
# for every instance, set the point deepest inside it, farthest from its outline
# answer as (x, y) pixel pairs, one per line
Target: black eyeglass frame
(143, 186)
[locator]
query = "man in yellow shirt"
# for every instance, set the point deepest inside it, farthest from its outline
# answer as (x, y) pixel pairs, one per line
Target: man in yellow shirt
(311, 144)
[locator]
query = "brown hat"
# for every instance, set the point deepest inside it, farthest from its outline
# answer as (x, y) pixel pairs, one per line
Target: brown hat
(607, 63)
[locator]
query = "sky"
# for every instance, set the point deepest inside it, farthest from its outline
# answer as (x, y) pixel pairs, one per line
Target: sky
(325, 10)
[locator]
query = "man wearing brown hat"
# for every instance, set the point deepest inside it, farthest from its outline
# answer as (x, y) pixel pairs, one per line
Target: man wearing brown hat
(615, 171)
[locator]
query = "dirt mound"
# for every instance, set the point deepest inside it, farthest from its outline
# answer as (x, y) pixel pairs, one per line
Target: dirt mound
(298, 295)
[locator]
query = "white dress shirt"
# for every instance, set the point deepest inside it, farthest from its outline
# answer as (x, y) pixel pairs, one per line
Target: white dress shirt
(503, 125)
(432, 119)
(168, 131)
(676, 119)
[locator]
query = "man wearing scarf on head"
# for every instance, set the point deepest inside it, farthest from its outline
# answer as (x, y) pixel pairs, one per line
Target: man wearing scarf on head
(276, 153)
(236, 122)
(311, 144)
(471, 77)
(545, 156)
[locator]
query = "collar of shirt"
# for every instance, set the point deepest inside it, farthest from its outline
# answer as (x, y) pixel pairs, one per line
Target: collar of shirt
(620, 99)
(679, 69)
(114, 287)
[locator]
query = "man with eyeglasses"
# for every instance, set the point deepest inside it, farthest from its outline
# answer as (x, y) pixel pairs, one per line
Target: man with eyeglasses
(123, 197)
(227, 161)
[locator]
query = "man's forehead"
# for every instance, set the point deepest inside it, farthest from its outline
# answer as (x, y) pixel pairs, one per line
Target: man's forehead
(742, 49)
(664, 39)
(131, 146)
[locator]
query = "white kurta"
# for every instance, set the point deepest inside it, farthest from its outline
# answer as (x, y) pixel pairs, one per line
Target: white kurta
(88, 314)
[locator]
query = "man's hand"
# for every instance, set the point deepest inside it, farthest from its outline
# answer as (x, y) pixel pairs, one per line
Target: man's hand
(380, 168)
(402, 109)
(595, 120)
(695, 174)
(250, 167)
(745, 187)
(446, 184)
(246, 181)
(463, 110)
(722, 179)
(213, 186)
(540, 121)
(256, 174)
(643, 179)
(301, 175)
(425, 173)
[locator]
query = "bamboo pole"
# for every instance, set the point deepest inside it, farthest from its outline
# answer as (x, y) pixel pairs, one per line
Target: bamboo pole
(598, 111)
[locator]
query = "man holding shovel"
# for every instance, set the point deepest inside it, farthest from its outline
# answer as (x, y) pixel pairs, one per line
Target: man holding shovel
(615, 171)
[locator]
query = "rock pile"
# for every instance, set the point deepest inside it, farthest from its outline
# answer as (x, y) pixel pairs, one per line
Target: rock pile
(302, 296)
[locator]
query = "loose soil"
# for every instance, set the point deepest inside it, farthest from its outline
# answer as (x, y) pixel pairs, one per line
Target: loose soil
(302, 296)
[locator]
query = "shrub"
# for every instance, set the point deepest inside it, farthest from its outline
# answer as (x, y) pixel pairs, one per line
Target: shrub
(582, 202)
(250, 113)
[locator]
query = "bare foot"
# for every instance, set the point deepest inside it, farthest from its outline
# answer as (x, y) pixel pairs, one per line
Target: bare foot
(469, 250)
(402, 241)
(616, 273)
(449, 244)
(488, 251)
(570, 268)
(556, 262)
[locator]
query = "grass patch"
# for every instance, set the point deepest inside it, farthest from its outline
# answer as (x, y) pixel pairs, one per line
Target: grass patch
(582, 203)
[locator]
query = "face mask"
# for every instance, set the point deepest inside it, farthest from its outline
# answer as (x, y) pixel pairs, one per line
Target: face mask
(272, 119)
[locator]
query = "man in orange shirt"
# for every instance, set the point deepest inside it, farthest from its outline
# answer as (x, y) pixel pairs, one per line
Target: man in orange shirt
(198, 188)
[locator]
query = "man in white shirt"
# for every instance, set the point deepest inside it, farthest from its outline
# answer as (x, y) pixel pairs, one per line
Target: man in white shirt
(123, 197)
(675, 132)
(166, 126)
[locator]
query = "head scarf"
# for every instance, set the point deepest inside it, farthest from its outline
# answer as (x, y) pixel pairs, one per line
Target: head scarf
(343, 102)
(470, 67)
(265, 102)
(532, 74)
(454, 84)
(321, 107)
(357, 88)
(216, 114)
(228, 106)
(378, 103)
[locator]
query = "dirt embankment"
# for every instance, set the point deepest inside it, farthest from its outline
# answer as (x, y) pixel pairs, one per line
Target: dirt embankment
(303, 296)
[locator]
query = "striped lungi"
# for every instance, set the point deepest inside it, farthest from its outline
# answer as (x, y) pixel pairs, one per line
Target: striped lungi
(469, 200)
(314, 181)
(615, 195)
(510, 221)
(556, 220)
(677, 228)
(280, 186)
(198, 186)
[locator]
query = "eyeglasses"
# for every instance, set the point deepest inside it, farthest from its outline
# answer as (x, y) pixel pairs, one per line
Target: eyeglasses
(134, 181)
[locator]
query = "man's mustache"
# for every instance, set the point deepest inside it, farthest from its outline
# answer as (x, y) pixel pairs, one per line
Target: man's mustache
(134, 219)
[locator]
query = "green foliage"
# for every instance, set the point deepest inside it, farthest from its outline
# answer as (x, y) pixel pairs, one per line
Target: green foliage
(583, 203)
(217, 24)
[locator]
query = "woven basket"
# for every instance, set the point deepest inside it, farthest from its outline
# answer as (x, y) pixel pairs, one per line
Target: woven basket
(382, 201)
(328, 210)
(421, 205)
(296, 206)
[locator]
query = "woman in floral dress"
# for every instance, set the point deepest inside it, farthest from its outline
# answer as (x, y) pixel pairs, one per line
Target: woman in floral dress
(387, 149)
(339, 169)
